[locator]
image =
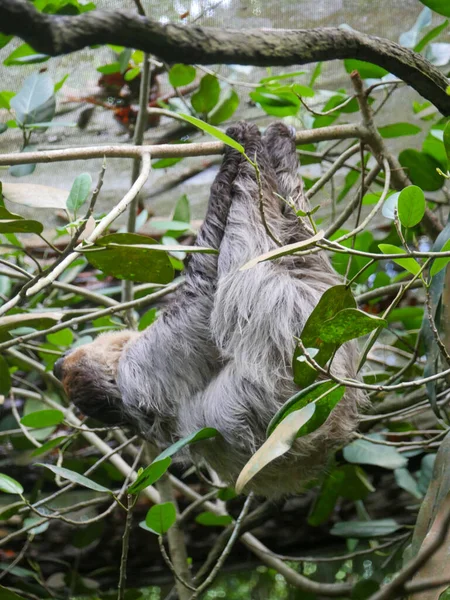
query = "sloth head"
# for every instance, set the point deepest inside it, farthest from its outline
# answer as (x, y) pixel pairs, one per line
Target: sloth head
(88, 374)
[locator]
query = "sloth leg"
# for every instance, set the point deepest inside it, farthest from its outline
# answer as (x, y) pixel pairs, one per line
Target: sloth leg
(177, 356)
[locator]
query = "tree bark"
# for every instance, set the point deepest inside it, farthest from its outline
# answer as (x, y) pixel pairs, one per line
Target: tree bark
(56, 35)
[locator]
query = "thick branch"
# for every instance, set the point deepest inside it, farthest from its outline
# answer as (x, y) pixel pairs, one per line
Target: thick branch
(55, 35)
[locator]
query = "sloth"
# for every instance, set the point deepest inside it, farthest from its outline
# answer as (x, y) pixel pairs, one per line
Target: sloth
(220, 355)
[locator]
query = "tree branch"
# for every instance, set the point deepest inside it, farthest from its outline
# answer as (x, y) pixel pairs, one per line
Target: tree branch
(56, 35)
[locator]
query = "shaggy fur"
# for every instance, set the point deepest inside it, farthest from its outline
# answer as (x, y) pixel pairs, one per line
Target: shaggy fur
(220, 355)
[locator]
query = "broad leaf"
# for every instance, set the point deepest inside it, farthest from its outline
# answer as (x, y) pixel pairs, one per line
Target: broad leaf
(34, 195)
(207, 96)
(225, 108)
(160, 518)
(421, 169)
(367, 453)
(440, 263)
(275, 102)
(212, 520)
(149, 475)
(276, 445)
(20, 226)
(181, 75)
(53, 443)
(122, 258)
(205, 433)
(43, 418)
(411, 206)
(7, 594)
(35, 102)
(303, 398)
(79, 192)
(410, 264)
(10, 485)
(365, 529)
(365, 69)
(332, 301)
(37, 320)
(5, 377)
(407, 482)
(24, 55)
(75, 477)
(348, 324)
(398, 129)
(440, 6)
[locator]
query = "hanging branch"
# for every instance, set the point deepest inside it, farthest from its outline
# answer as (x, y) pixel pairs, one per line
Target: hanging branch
(56, 35)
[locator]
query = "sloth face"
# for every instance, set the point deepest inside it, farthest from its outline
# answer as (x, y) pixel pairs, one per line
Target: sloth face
(88, 374)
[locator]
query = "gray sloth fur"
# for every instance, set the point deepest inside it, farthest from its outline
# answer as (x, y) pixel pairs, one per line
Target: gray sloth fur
(220, 355)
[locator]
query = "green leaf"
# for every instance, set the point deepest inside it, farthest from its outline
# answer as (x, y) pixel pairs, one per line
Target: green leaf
(346, 481)
(182, 210)
(35, 102)
(407, 482)
(367, 453)
(410, 264)
(398, 129)
(301, 399)
(446, 140)
(5, 99)
(61, 338)
(164, 163)
(7, 594)
(411, 206)
(110, 68)
(275, 102)
(53, 443)
(440, 263)
(225, 108)
(207, 96)
(58, 85)
(271, 79)
(161, 517)
(24, 55)
(421, 169)
(147, 319)
(20, 226)
(277, 444)
(181, 75)
(79, 192)
(124, 59)
(365, 529)
(75, 477)
(84, 536)
(132, 74)
(433, 33)
(316, 73)
(122, 259)
(212, 520)
(10, 485)
(219, 135)
(5, 39)
(332, 301)
(302, 90)
(43, 418)
(366, 70)
(205, 433)
(5, 377)
(348, 324)
(440, 6)
(37, 320)
(149, 475)
(364, 589)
